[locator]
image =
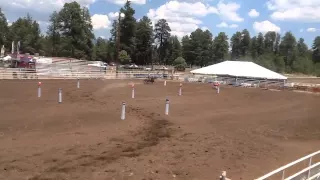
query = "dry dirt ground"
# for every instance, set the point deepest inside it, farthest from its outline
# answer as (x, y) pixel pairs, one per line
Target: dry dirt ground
(247, 132)
(305, 80)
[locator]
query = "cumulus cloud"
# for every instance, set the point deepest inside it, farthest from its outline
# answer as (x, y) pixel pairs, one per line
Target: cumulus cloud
(295, 10)
(265, 26)
(100, 21)
(39, 10)
(225, 25)
(233, 26)
(204, 28)
(185, 16)
(122, 2)
(253, 13)
(311, 30)
(182, 17)
(113, 15)
(228, 11)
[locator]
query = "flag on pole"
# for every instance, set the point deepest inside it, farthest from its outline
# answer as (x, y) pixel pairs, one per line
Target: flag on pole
(18, 47)
(12, 47)
(2, 51)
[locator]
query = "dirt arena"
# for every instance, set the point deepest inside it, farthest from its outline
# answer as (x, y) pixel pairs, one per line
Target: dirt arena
(247, 132)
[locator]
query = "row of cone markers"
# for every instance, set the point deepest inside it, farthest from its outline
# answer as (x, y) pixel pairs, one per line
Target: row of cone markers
(123, 109)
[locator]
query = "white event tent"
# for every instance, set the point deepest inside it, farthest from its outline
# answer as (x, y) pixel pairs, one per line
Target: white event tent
(239, 69)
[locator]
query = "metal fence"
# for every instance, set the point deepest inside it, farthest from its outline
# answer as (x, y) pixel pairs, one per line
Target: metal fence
(15, 73)
(311, 172)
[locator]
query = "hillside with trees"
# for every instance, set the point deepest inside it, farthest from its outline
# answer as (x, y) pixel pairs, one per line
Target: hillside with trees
(70, 34)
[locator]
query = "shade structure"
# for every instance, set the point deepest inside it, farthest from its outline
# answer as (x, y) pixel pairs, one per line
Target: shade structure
(239, 69)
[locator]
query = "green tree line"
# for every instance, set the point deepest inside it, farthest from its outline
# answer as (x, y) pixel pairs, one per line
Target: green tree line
(70, 34)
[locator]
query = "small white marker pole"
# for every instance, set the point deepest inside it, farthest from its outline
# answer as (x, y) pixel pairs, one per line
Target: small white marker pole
(39, 89)
(132, 94)
(180, 89)
(78, 83)
(167, 107)
(123, 111)
(60, 95)
(165, 83)
(218, 89)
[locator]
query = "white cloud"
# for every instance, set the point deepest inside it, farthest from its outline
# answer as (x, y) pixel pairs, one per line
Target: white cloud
(222, 25)
(295, 10)
(253, 13)
(233, 26)
(113, 15)
(225, 25)
(311, 30)
(204, 28)
(265, 26)
(41, 6)
(39, 10)
(182, 17)
(100, 21)
(122, 2)
(228, 11)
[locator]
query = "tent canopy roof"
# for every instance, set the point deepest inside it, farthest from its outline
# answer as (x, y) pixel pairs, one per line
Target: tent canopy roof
(239, 69)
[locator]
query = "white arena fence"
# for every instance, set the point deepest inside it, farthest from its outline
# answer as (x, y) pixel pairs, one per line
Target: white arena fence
(311, 172)
(242, 82)
(16, 73)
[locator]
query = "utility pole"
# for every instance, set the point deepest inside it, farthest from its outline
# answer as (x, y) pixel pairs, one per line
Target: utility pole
(118, 46)
(120, 15)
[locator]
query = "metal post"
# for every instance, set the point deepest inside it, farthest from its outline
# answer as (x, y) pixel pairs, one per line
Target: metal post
(132, 94)
(283, 175)
(39, 89)
(218, 89)
(165, 83)
(60, 95)
(167, 107)
(123, 111)
(310, 162)
(180, 89)
(78, 83)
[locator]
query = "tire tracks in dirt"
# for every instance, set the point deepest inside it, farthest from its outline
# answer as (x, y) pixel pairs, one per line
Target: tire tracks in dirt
(155, 128)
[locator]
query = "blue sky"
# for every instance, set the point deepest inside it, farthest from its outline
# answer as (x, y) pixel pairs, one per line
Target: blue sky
(302, 18)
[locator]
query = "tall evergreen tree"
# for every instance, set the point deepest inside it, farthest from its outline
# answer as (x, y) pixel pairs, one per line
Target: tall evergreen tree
(254, 47)
(302, 48)
(269, 41)
(235, 44)
(3, 30)
(316, 50)
(53, 34)
(187, 50)
(27, 31)
(128, 29)
(144, 40)
(162, 35)
(287, 48)
(260, 44)
(76, 31)
(174, 49)
(245, 42)
(220, 47)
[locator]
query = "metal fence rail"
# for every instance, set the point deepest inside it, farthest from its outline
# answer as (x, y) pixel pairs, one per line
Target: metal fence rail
(312, 169)
(15, 73)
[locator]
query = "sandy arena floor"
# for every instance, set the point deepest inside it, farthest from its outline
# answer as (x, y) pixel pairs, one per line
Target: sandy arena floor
(247, 132)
